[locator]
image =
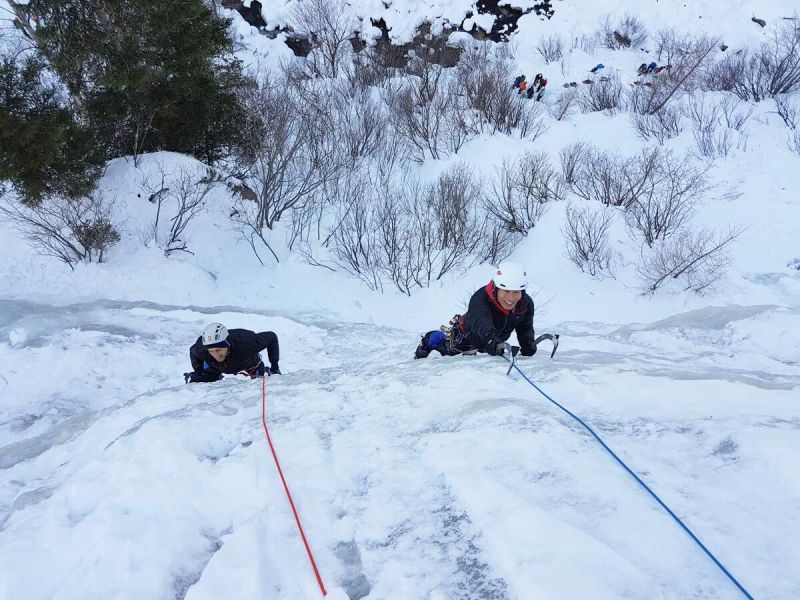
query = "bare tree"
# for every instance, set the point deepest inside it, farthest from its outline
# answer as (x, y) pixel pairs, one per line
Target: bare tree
(627, 32)
(695, 259)
(551, 48)
(329, 24)
(603, 94)
(71, 230)
(586, 239)
(521, 191)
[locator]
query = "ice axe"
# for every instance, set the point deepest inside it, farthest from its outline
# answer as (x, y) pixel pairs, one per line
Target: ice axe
(514, 350)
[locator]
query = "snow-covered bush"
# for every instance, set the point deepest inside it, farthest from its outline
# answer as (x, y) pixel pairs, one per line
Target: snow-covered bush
(521, 190)
(598, 176)
(627, 32)
(586, 239)
(71, 230)
(572, 157)
(692, 260)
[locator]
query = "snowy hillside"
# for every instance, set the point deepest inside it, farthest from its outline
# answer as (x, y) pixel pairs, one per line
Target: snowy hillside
(437, 479)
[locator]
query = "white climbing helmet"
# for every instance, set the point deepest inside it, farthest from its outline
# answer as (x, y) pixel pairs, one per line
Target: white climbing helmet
(510, 276)
(214, 334)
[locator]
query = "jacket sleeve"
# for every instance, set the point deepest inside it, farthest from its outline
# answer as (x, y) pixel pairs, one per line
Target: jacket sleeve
(525, 332)
(196, 355)
(478, 321)
(269, 341)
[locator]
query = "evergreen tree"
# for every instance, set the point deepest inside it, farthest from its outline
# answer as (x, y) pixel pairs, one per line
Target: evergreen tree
(44, 150)
(147, 74)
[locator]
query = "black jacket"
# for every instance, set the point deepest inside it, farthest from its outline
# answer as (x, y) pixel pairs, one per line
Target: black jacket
(487, 320)
(243, 355)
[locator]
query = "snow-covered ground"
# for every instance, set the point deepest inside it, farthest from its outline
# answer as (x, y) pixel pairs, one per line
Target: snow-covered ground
(439, 479)
(429, 479)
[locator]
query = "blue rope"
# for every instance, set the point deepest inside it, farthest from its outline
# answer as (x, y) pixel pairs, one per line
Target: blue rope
(642, 483)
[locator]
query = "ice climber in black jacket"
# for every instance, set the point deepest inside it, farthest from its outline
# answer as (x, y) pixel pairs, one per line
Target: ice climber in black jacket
(220, 351)
(495, 311)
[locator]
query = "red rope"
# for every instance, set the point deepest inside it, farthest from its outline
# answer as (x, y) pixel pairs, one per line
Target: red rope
(286, 487)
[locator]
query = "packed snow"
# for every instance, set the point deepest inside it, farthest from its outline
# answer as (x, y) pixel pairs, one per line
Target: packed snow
(435, 479)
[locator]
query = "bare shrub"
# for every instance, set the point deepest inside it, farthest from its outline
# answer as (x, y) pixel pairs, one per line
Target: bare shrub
(665, 199)
(771, 70)
(414, 234)
(356, 116)
(329, 24)
(711, 133)
(735, 114)
(294, 162)
(483, 75)
(627, 32)
(661, 126)
(521, 191)
(355, 244)
(600, 177)
(603, 94)
(565, 104)
(693, 260)
(449, 217)
(586, 240)
(585, 43)
(426, 114)
(572, 158)
(367, 69)
(794, 141)
(551, 48)
(183, 195)
(788, 109)
(689, 58)
(71, 230)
